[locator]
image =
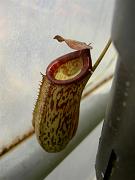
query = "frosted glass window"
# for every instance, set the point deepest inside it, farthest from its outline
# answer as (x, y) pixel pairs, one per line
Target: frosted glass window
(27, 47)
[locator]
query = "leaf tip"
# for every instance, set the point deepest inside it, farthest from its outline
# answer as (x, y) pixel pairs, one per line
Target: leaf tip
(59, 38)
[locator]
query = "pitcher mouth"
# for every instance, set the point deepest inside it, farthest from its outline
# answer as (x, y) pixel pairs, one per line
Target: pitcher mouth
(70, 68)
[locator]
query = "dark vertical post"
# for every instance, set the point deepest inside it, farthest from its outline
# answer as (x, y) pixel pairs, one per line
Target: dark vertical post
(116, 152)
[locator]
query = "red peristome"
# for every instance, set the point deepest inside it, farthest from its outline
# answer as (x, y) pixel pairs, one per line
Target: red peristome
(54, 65)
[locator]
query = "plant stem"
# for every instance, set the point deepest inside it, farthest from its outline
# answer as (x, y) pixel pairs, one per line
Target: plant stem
(101, 55)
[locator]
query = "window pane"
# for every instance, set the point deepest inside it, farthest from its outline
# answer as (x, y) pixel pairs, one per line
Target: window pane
(27, 47)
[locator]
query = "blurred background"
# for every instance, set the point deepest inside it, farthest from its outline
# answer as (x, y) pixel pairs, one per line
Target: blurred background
(27, 47)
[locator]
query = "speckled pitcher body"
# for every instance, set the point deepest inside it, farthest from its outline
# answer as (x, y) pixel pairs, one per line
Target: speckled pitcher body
(56, 113)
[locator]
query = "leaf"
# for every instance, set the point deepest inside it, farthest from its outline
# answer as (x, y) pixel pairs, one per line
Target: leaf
(73, 44)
